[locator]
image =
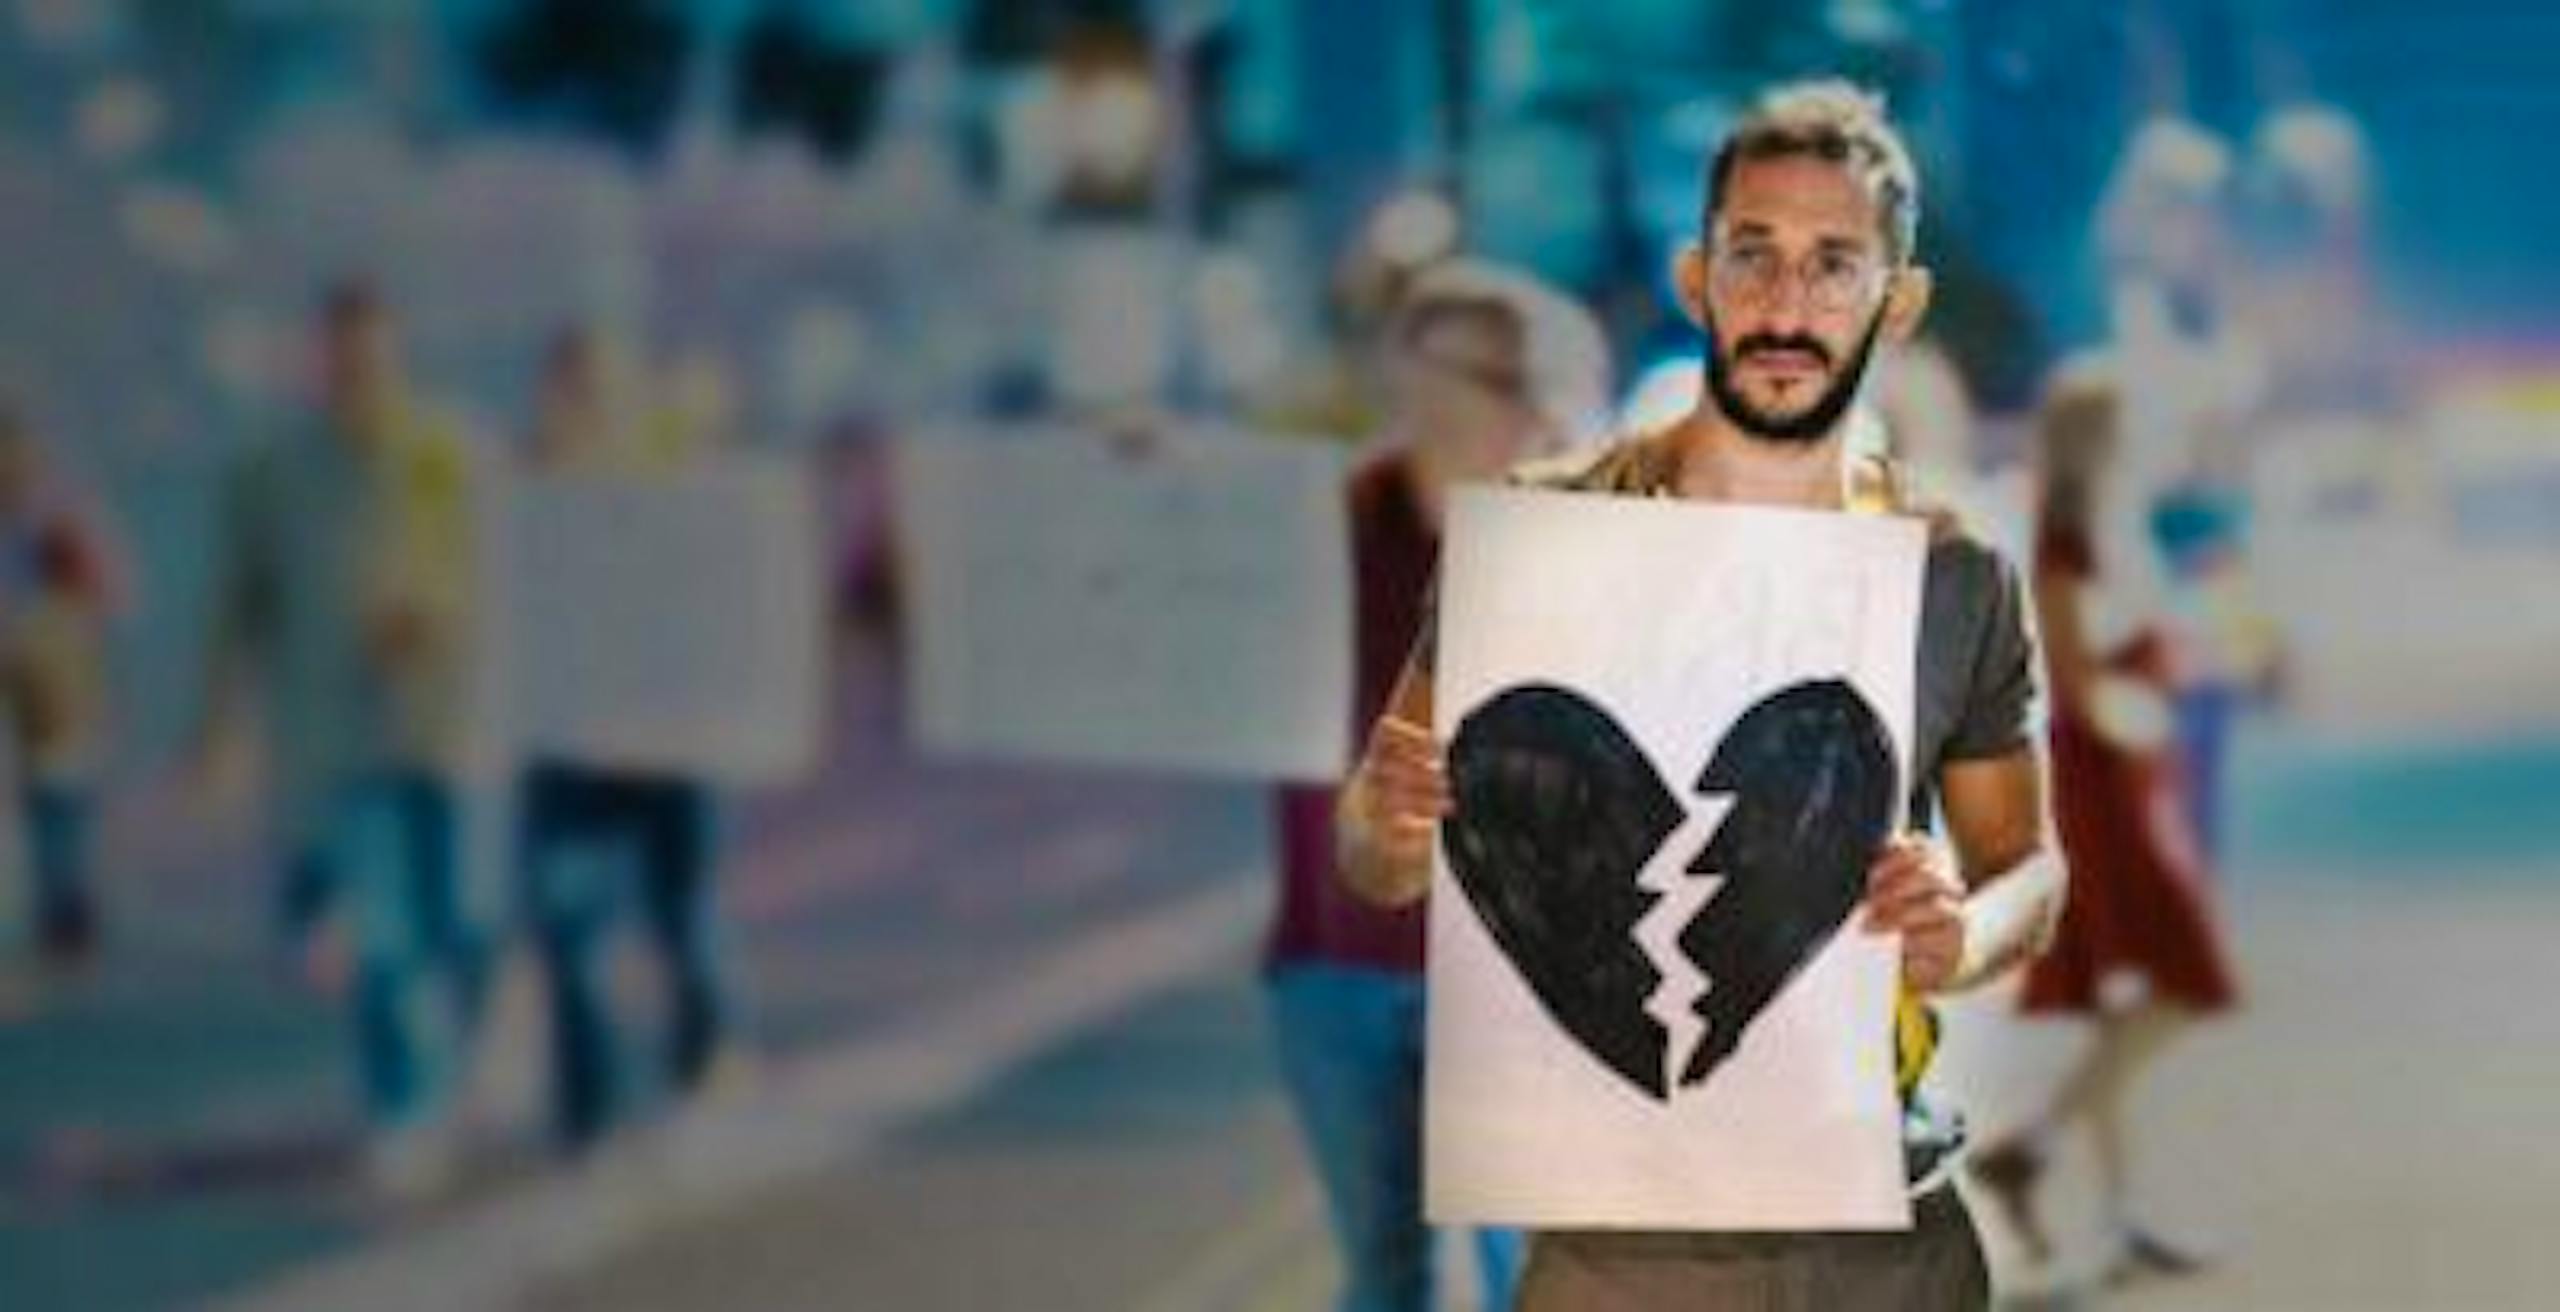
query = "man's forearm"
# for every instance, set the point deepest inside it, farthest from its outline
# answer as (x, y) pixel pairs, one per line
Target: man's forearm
(2009, 918)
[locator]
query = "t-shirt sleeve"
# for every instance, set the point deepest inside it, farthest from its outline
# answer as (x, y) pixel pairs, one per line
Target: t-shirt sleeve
(1995, 719)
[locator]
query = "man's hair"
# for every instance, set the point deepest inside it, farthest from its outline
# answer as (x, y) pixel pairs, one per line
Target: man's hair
(350, 302)
(1830, 120)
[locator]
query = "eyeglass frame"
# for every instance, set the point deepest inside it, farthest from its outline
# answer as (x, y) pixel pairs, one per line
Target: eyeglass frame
(1877, 272)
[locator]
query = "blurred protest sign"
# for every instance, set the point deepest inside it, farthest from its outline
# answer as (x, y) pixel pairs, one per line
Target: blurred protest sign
(669, 622)
(1181, 601)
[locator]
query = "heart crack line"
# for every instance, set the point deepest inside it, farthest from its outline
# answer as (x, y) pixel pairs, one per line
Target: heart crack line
(1681, 896)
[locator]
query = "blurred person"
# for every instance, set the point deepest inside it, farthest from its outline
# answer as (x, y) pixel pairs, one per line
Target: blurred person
(1805, 266)
(2165, 243)
(1928, 415)
(2138, 952)
(1339, 390)
(695, 414)
(661, 826)
(1484, 368)
(2172, 522)
(2332, 438)
(865, 566)
(349, 591)
(2306, 201)
(61, 584)
(2189, 369)
(1933, 432)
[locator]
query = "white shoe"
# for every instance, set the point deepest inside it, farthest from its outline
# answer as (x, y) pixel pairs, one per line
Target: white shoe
(2140, 1254)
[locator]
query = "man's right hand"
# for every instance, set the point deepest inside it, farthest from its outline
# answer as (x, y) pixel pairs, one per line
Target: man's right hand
(1393, 805)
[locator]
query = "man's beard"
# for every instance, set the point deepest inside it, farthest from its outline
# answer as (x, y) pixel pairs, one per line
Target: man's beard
(1815, 421)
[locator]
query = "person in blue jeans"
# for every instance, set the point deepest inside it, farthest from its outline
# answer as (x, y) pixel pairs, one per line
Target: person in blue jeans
(1350, 1043)
(347, 587)
(59, 825)
(392, 854)
(1484, 368)
(595, 839)
(597, 836)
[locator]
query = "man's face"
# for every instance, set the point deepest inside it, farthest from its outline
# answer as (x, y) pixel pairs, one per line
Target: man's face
(359, 357)
(576, 373)
(1796, 276)
(1469, 395)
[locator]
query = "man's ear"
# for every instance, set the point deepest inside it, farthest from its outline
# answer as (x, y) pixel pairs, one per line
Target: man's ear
(1689, 282)
(1907, 302)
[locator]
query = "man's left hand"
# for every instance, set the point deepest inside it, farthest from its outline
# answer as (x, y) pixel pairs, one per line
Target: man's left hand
(1913, 890)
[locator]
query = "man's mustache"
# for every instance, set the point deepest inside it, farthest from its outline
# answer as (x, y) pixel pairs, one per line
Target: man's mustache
(1764, 343)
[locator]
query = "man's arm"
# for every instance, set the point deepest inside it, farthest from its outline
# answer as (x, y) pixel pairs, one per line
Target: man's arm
(1389, 810)
(1970, 914)
(2002, 831)
(1965, 920)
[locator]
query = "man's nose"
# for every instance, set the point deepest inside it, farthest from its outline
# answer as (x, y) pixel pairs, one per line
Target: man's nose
(1777, 328)
(1788, 309)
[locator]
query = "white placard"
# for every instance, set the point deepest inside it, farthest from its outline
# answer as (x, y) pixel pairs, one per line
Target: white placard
(669, 621)
(1185, 608)
(1602, 661)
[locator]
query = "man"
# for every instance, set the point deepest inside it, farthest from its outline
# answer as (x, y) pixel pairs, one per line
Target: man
(350, 549)
(1806, 263)
(660, 822)
(1484, 369)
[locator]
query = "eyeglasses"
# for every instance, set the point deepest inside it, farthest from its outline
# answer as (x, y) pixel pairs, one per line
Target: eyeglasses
(1831, 279)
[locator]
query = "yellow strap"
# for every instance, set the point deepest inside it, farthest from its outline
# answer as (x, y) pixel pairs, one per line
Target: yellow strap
(1915, 1040)
(1878, 486)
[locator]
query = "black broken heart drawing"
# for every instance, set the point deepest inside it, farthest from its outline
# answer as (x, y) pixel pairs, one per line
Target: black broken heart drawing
(1558, 812)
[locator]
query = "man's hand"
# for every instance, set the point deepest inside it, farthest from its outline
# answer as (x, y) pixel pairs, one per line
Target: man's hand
(1913, 890)
(1392, 808)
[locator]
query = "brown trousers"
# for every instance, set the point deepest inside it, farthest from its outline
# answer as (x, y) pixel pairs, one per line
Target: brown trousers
(1935, 1266)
